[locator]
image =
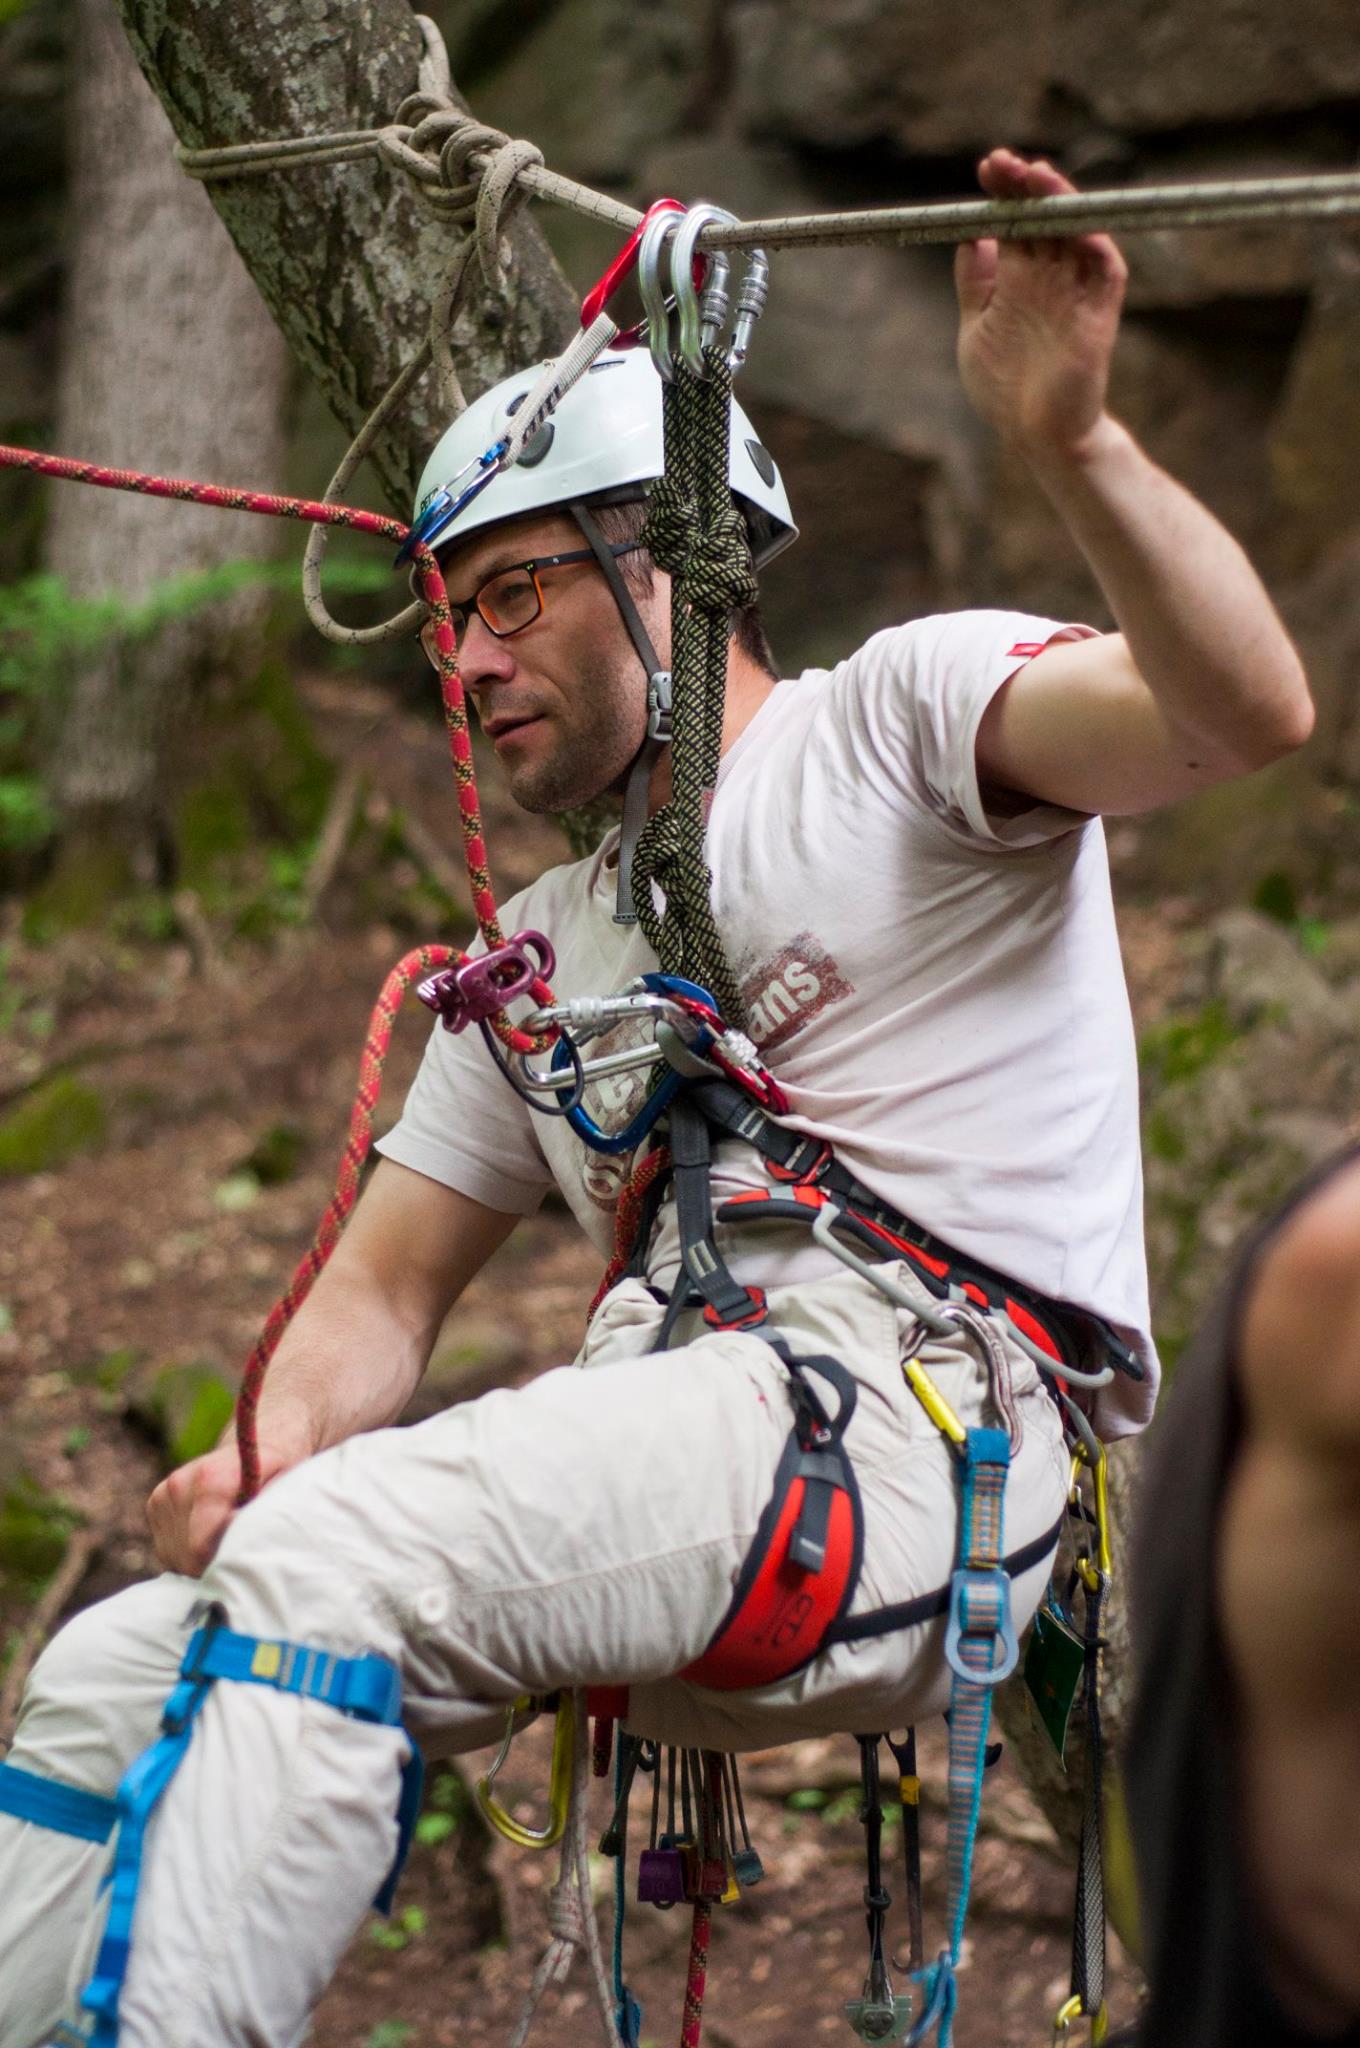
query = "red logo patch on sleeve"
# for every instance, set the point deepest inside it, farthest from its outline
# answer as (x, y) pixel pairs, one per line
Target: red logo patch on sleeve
(1028, 648)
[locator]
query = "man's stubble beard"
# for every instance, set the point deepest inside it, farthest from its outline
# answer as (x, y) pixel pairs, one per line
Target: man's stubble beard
(597, 740)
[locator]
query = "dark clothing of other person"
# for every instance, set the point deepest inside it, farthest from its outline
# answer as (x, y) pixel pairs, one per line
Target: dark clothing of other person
(1202, 1947)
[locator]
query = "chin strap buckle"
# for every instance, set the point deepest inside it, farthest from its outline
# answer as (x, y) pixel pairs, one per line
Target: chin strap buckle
(659, 705)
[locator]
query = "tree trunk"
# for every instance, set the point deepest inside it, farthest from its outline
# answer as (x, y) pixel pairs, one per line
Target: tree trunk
(345, 256)
(171, 363)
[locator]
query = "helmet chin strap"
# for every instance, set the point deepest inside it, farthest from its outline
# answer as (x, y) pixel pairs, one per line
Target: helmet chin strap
(658, 733)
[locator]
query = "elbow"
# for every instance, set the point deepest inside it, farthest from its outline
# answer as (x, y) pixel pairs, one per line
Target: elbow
(1288, 724)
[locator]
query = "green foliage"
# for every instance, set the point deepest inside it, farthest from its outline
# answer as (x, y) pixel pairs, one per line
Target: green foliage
(276, 1155)
(390, 2034)
(35, 1529)
(47, 632)
(1276, 896)
(188, 1407)
(447, 1807)
(53, 1123)
(407, 1927)
(1180, 1047)
(27, 818)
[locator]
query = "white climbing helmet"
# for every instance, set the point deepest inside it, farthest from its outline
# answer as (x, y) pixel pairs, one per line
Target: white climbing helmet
(604, 442)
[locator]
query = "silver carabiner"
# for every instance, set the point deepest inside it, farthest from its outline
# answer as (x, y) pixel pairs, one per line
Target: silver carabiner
(699, 326)
(755, 289)
(655, 303)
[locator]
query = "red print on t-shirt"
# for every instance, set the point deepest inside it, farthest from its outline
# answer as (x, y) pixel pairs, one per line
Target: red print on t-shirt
(784, 994)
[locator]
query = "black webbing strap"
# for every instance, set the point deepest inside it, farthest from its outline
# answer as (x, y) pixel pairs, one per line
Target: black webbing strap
(884, 1621)
(705, 1278)
(1088, 1919)
(795, 1154)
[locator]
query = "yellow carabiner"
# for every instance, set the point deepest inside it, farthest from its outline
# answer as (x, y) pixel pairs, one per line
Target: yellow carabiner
(933, 1401)
(1097, 1574)
(559, 1794)
(1072, 2010)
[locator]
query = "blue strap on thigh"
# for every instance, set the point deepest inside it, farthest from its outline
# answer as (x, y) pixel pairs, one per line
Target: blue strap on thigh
(49, 1803)
(367, 1687)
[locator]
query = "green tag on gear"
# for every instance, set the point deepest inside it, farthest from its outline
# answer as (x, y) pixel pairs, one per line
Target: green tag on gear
(1054, 1664)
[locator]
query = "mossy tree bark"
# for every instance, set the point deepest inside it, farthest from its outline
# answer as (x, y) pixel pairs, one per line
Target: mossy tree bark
(345, 256)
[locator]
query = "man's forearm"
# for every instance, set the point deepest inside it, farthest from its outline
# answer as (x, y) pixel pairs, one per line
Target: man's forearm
(1202, 632)
(347, 1363)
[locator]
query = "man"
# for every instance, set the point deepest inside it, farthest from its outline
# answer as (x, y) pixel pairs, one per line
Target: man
(1241, 1770)
(911, 885)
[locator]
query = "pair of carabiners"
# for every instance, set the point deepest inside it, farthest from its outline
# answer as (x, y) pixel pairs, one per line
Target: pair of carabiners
(699, 321)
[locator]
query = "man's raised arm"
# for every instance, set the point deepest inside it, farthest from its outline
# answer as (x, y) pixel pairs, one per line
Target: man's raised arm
(1202, 682)
(352, 1356)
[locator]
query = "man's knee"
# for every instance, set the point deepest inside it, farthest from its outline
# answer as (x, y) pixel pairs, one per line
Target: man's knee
(96, 1692)
(298, 1563)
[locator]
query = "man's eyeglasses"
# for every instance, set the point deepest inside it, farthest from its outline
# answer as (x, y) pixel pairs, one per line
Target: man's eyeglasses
(512, 598)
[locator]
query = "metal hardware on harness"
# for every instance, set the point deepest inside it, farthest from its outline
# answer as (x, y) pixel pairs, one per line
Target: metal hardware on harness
(480, 986)
(1073, 2010)
(879, 2013)
(940, 1321)
(559, 1793)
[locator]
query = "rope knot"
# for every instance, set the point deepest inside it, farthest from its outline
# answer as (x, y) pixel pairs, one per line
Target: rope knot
(566, 1920)
(672, 526)
(721, 576)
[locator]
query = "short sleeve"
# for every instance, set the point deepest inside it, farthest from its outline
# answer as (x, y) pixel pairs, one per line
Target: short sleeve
(463, 1125)
(925, 687)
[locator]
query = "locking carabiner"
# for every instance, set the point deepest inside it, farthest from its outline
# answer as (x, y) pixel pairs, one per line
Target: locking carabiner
(699, 325)
(559, 1792)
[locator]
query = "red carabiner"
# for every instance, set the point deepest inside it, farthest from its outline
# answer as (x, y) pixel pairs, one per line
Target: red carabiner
(625, 263)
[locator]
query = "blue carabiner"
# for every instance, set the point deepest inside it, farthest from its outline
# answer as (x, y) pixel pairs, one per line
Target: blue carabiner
(663, 1094)
(443, 508)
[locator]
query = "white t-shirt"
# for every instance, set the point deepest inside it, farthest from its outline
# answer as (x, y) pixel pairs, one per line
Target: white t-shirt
(939, 991)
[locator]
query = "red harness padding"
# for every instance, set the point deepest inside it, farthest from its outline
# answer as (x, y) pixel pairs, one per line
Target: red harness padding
(801, 1571)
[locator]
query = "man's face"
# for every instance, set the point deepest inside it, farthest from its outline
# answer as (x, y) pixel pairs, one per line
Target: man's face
(563, 700)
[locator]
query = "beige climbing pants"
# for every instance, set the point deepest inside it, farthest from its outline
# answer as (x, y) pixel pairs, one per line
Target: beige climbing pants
(584, 1529)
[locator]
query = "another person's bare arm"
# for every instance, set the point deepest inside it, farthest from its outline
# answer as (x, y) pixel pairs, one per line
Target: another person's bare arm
(1290, 1608)
(1201, 683)
(353, 1354)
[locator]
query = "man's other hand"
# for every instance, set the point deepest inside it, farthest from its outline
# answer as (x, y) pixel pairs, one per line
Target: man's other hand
(1038, 320)
(191, 1510)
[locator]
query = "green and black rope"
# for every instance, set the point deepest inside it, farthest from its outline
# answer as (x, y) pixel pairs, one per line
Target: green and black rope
(695, 532)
